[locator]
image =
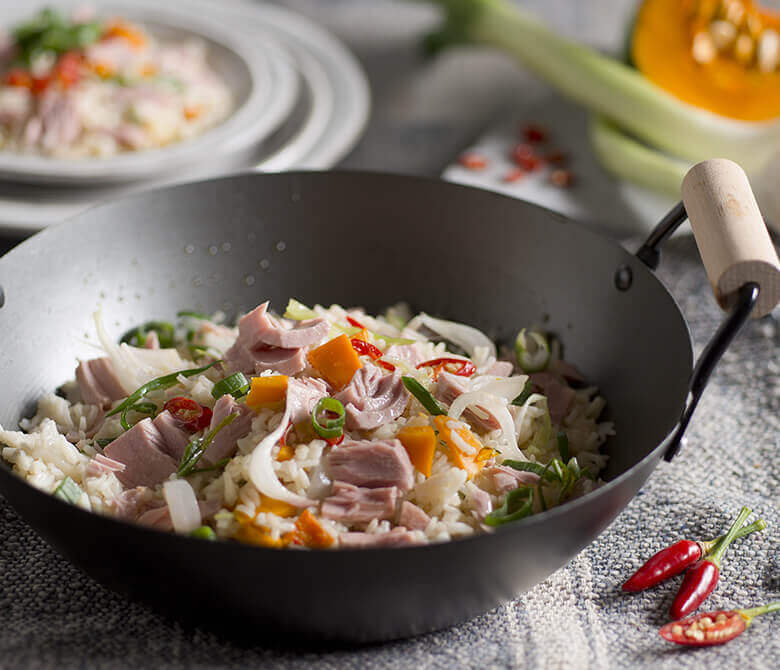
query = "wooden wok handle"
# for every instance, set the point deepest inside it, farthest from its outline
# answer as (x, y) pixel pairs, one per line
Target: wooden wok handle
(731, 235)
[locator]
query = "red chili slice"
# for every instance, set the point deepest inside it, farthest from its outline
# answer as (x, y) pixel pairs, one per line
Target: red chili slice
(355, 323)
(191, 415)
(464, 369)
(18, 77)
(473, 161)
(367, 349)
(706, 629)
(333, 441)
(526, 157)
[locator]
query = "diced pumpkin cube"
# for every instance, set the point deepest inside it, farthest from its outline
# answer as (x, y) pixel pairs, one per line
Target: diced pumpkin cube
(278, 507)
(267, 392)
(420, 444)
(310, 533)
(455, 440)
(336, 361)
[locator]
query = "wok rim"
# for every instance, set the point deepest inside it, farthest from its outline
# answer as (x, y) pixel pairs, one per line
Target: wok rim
(530, 521)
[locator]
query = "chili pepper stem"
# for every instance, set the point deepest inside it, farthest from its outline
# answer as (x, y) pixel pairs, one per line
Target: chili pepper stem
(720, 548)
(749, 614)
(708, 546)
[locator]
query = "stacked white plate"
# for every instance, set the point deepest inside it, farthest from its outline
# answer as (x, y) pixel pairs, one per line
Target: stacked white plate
(303, 102)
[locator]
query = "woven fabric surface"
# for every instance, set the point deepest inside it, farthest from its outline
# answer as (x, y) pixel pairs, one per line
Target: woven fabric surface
(54, 616)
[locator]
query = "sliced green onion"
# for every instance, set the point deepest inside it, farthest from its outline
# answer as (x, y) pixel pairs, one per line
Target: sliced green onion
(563, 446)
(166, 334)
(527, 466)
(518, 504)
(104, 441)
(391, 340)
(164, 382)
(524, 394)
(426, 399)
(140, 407)
(236, 385)
(532, 350)
(68, 491)
(329, 428)
(198, 446)
(297, 311)
(204, 533)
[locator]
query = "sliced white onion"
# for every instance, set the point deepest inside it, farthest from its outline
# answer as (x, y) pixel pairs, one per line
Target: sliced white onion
(135, 366)
(182, 505)
(507, 388)
(498, 408)
(466, 337)
(521, 415)
(261, 469)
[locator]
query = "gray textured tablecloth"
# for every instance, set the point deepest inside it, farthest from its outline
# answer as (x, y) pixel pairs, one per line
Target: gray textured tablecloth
(54, 617)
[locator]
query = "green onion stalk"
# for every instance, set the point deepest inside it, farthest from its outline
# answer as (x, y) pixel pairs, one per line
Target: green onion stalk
(631, 110)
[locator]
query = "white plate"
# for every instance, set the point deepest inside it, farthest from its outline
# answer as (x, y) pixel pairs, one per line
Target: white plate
(241, 60)
(328, 118)
(333, 82)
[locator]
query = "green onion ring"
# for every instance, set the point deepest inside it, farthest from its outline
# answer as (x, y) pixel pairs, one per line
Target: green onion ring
(236, 385)
(330, 428)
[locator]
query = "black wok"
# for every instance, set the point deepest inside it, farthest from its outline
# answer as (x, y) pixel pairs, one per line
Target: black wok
(354, 239)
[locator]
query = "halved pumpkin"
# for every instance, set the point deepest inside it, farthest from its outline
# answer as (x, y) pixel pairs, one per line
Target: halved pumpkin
(721, 55)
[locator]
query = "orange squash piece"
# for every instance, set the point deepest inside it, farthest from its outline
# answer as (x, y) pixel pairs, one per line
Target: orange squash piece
(278, 507)
(420, 444)
(694, 50)
(468, 462)
(261, 537)
(310, 533)
(267, 392)
(336, 361)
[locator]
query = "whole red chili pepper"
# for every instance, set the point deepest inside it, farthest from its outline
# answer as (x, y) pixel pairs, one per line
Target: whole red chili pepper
(711, 628)
(674, 559)
(191, 415)
(702, 578)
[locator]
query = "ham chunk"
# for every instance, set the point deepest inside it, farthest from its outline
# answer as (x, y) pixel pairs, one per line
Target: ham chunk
(101, 465)
(412, 517)
(371, 464)
(559, 396)
(303, 395)
(142, 450)
(408, 353)
(504, 479)
(98, 382)
(264, 344)
(373, 398)
(350, 504)
(224, 444)
(449, 387)
(175, 437)
(398, 537)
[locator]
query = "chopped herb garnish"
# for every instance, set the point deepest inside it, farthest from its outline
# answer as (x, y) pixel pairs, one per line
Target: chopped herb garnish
(68, 491)
(104, 441)
(166, 334)
(140, 407)
(236, 385)
(196, 448)
(518, 504)
(426, 399)
(164, 382)
(563, 446)
(524, 394)
(329, 428)
(217, 466)
(49, 31)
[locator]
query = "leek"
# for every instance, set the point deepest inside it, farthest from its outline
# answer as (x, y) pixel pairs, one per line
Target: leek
(616, 91)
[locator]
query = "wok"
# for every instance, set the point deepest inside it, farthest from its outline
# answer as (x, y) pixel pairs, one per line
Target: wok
(372, 240)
